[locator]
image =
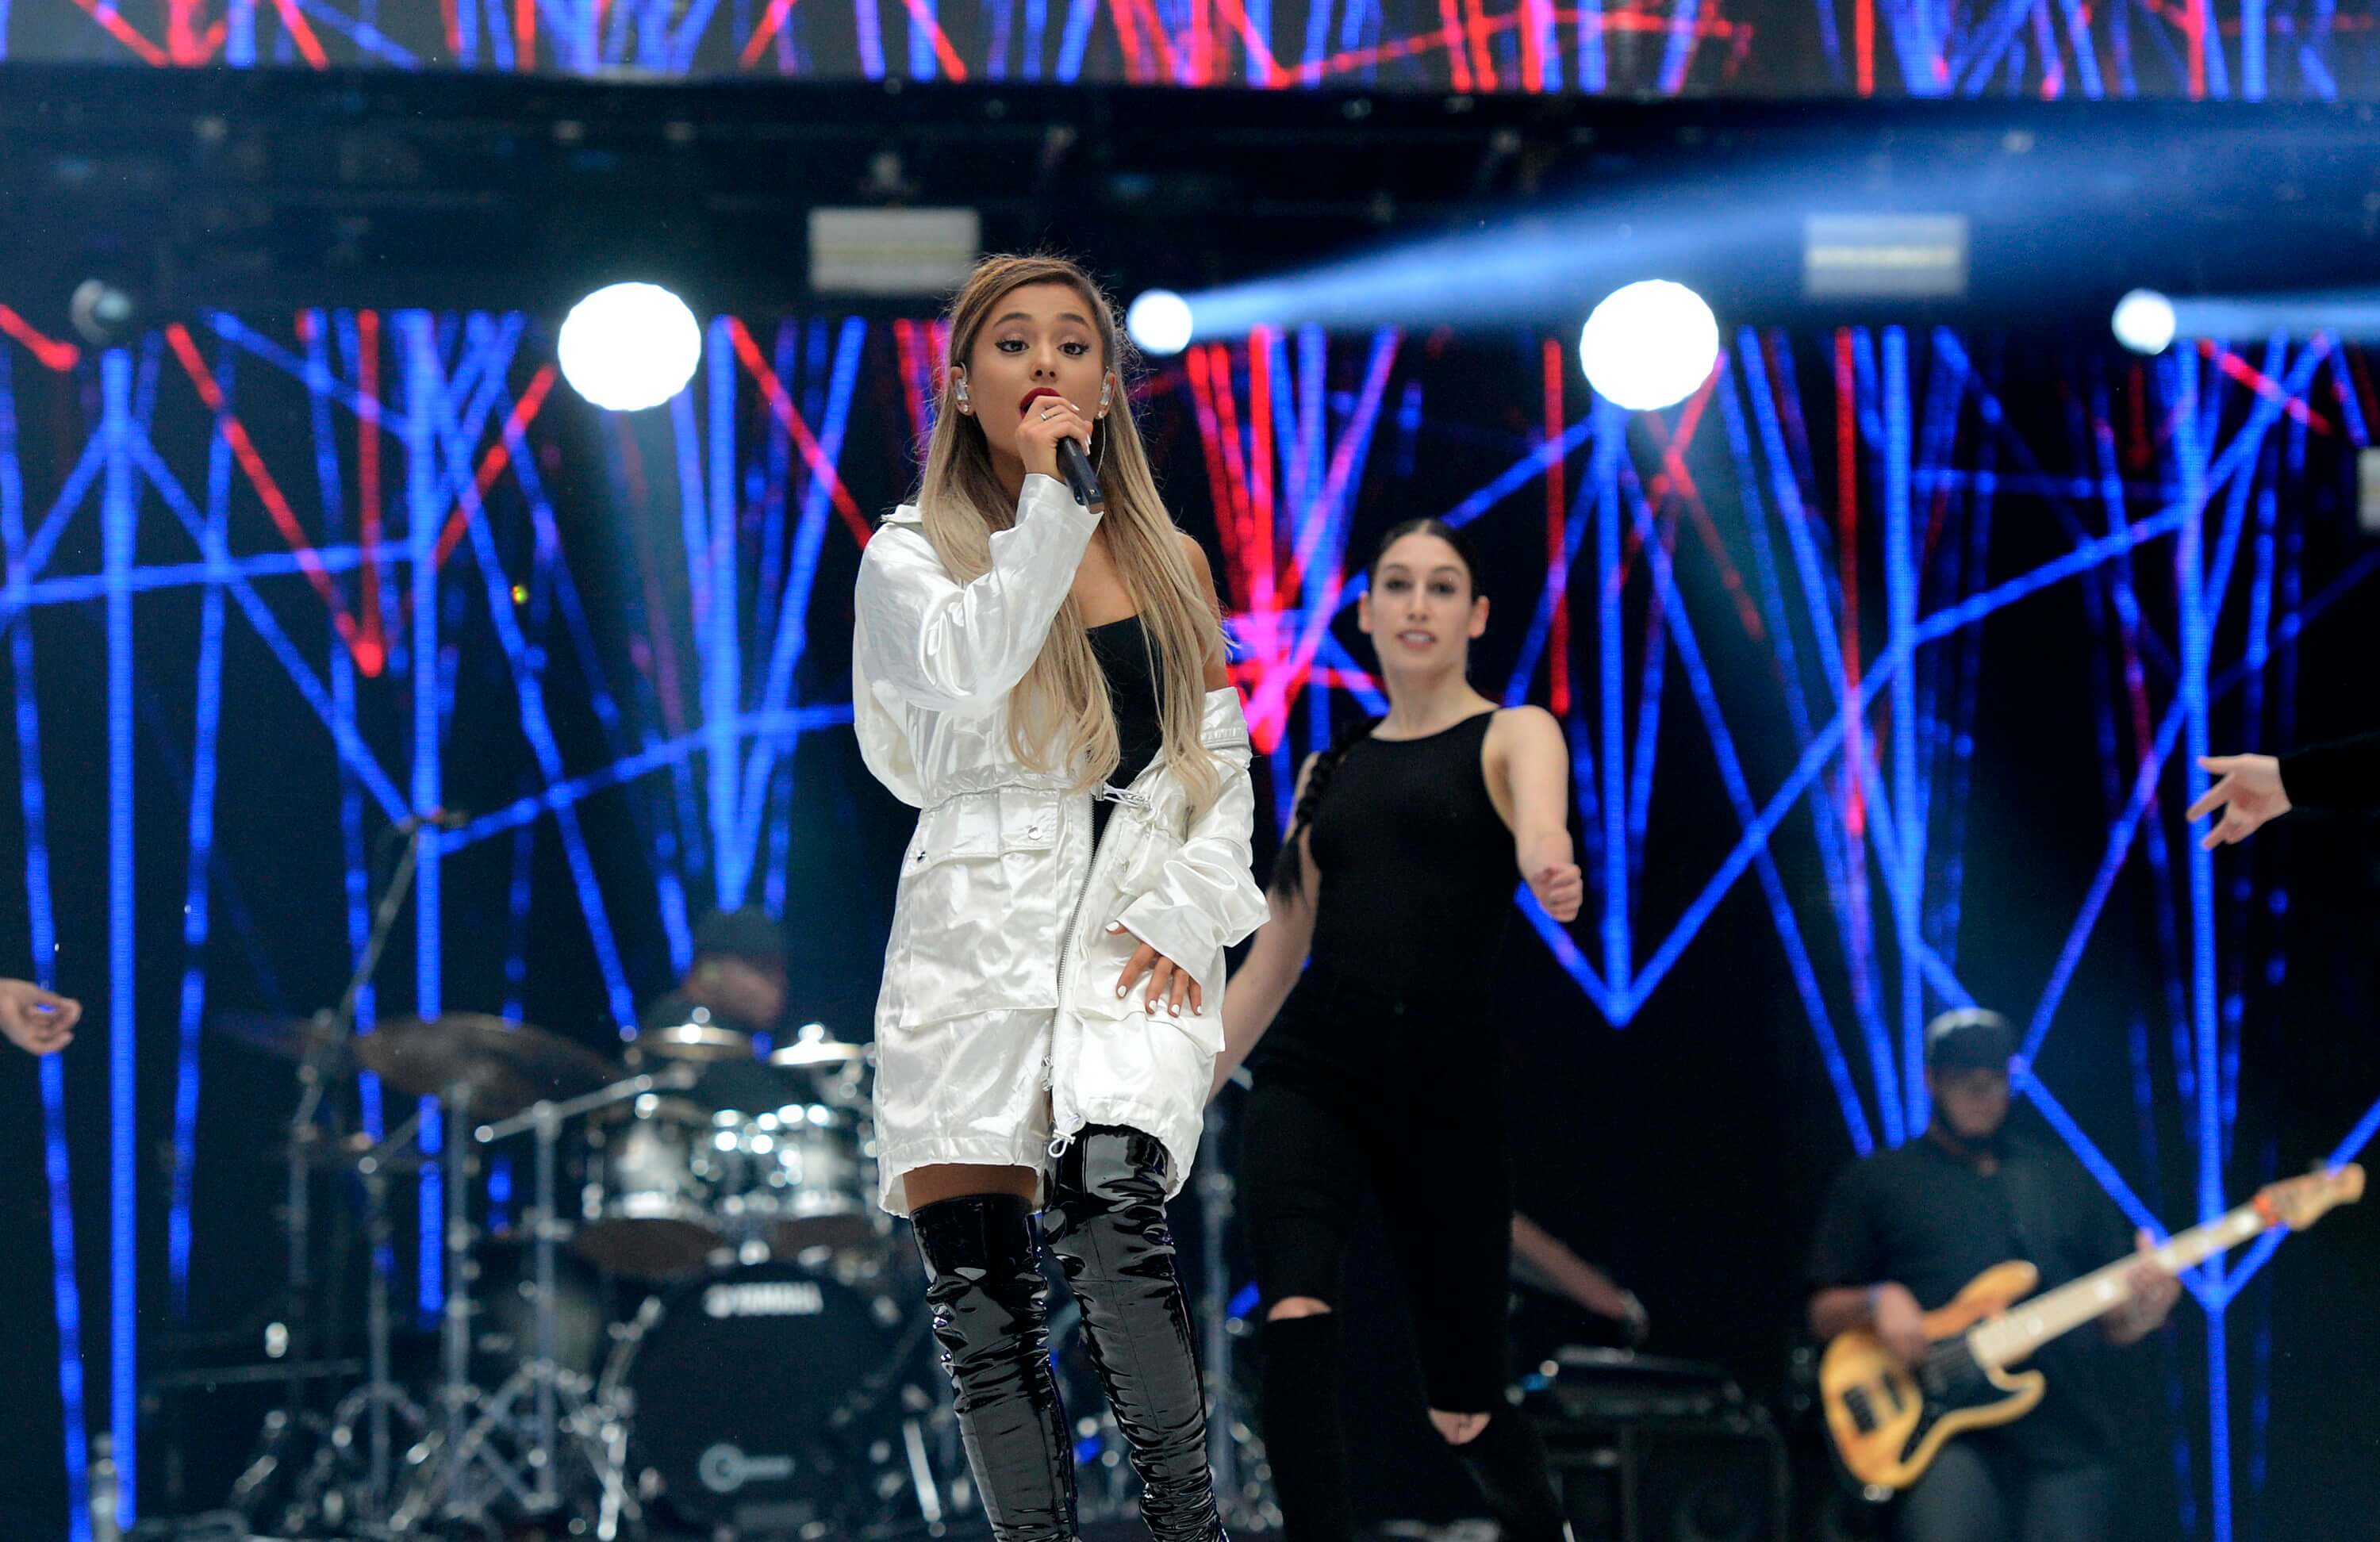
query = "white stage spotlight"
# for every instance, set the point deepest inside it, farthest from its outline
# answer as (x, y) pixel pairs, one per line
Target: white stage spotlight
(1160, 321)
(1649, 345)
(105, 314)
(2144, 321)
(628, 346)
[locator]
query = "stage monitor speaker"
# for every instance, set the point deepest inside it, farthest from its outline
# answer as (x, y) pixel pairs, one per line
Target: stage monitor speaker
(1715, 1479)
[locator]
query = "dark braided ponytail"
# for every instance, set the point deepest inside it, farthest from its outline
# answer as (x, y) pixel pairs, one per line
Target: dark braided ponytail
(1289, 869)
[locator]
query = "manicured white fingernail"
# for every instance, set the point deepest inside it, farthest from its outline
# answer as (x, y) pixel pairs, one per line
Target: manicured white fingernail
(1115, 926)
(1123, 990)
(1174, 1010)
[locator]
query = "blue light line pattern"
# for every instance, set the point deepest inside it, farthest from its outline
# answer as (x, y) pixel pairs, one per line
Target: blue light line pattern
(123, 1258)
(2199, 470)
(33, 805)
(197, 893)
(1699, 549)
(424, 387)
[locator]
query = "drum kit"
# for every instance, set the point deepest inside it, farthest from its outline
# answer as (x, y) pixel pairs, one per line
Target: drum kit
(701, 1324)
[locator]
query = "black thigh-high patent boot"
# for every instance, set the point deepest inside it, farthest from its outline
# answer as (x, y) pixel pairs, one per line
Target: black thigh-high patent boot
(983, 1278)
(1107, 1225)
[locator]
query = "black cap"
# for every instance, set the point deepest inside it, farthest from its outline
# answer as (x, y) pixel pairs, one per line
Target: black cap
(1969, 1040)
(746, 934)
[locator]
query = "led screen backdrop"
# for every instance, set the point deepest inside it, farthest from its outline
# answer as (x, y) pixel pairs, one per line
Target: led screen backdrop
(1872, 614)
(2251, 50)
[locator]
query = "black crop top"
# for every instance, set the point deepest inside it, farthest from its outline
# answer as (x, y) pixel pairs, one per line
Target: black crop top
(1414, 872)
(1129, 661)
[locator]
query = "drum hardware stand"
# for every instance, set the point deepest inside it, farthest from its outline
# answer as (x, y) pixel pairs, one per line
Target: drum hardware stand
(327, 1494)
(381, 1393)
(562, 1418)
(931, 1444)
(873, 1389)
(454, 1322)
(293, 1419)
(323, 1497)
(1243, 1487)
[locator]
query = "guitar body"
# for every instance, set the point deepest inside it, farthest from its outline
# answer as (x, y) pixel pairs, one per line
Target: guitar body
(1887, 1422)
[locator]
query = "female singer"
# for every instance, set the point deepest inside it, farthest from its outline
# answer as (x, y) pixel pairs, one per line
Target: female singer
(1044, 680)
(1395, 880)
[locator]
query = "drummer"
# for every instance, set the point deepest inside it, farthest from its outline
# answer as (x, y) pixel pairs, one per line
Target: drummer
(729, 1011)
(737, 977)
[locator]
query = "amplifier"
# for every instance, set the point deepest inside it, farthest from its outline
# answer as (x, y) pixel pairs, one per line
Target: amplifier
(1661, 1452)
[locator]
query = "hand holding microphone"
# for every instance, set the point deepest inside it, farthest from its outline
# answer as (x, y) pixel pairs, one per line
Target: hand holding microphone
(1054, 441)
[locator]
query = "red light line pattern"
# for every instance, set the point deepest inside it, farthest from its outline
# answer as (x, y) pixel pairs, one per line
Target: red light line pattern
(2183, 49)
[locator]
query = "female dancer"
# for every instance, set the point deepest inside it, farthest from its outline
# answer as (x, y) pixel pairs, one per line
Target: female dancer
(1395, 878)
(1045, 682)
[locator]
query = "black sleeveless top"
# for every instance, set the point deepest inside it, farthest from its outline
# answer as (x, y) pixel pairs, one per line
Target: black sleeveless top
(1129, 661)
(1414, 866)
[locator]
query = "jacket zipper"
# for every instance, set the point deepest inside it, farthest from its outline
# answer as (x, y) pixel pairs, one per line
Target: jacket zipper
(1066, 940)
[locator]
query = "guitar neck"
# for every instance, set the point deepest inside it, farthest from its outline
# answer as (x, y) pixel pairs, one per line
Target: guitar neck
(2024, 1328)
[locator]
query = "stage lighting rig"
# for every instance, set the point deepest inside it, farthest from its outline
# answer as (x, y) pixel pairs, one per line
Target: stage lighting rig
(1649, 345)
(628, 346)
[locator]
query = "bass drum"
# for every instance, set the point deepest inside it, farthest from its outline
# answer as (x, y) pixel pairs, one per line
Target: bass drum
(770, 1402)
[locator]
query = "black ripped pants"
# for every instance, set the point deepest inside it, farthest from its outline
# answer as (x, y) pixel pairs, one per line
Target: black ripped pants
(1356, 1091)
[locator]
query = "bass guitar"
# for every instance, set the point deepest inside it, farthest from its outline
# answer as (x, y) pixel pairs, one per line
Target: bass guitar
(1887, 1420)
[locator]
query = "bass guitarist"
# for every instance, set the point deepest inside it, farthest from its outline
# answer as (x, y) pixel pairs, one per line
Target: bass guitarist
(1900, 1234)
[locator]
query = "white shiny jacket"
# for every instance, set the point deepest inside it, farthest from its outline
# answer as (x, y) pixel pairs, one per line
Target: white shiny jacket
(1003, 904)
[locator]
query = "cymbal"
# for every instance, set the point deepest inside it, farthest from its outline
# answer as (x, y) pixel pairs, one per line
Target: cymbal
(700, 1039)
(271, 1033)
(826, 1051)
(507, 1065)
(817, 1046)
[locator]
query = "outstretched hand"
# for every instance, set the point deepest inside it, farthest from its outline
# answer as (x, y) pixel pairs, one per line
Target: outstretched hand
(2250, 794)
(1560, 888)
(39, 1021)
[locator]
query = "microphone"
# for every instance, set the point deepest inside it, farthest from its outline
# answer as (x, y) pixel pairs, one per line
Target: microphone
(1072, 463)
(414, 825)
(429, 819)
